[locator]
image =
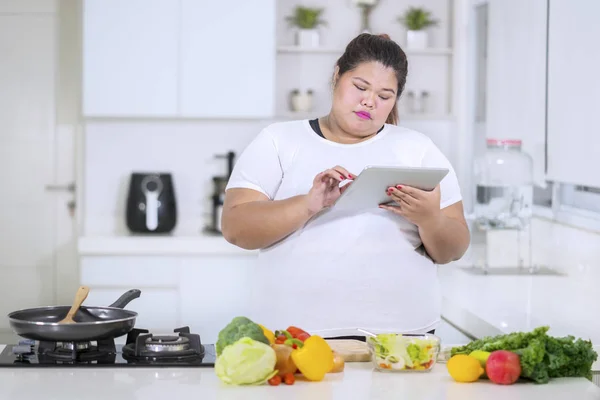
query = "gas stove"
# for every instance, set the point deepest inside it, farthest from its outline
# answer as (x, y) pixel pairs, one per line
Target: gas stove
(141, 349)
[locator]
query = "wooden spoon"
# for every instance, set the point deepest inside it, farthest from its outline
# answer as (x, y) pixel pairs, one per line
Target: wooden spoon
(80, 296)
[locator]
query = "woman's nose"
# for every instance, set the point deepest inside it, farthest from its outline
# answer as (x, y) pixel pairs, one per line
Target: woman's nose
(368, 101)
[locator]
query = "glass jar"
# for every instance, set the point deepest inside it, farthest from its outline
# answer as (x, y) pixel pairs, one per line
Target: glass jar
(504, 186)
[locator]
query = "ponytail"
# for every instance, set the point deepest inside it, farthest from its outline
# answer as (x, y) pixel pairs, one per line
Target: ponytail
(393, 117)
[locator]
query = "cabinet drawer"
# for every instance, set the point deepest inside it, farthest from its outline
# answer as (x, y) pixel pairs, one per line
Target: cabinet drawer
(158, 309)
(130, 272)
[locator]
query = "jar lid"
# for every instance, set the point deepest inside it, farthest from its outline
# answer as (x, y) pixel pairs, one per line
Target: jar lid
(504, 142)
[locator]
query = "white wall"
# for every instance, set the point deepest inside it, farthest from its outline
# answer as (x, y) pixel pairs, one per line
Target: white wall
(186, 148)
(314, 70)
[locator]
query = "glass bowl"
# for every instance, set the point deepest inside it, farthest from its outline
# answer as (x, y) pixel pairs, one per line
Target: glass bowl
(396, 352)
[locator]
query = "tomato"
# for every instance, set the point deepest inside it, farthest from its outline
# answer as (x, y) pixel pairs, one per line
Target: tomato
(295, 331)
(275, 381)
(302, 336)
(289, 379)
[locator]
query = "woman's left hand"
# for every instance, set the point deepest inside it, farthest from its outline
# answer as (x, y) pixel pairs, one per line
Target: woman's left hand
(418, 206)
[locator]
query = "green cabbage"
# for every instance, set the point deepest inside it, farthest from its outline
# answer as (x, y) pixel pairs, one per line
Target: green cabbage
(246, 362)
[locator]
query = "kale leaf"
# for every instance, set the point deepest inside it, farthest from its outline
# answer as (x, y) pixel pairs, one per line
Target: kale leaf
(542, 356)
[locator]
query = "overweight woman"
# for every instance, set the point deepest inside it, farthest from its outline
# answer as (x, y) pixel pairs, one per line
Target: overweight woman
(376, 270)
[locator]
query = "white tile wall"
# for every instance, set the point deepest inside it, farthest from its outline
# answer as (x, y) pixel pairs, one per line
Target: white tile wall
(185, 148)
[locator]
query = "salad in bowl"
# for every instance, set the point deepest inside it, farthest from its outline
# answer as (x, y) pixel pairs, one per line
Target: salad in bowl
(404, 352)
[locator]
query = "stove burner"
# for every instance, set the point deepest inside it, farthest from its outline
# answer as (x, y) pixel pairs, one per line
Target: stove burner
(69, 346)
(104, 351)
(145, 347)
(167, 343)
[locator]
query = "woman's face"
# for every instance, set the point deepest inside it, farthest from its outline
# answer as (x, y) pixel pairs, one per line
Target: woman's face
(364, 97)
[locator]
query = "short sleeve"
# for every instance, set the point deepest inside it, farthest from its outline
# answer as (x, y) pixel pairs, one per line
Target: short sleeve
(258, 167)
(449, 188)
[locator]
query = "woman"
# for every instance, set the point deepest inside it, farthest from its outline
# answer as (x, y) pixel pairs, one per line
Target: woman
(334, 273)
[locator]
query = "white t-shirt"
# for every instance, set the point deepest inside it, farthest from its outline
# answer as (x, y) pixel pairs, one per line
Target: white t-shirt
(342, 272)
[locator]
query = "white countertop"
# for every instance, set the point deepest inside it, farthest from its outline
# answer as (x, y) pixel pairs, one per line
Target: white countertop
(158, 245)
(358, 381)
(489, 305)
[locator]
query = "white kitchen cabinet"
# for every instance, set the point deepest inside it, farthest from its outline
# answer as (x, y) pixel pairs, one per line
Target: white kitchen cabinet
(574, 94)
(179, 58)
(157, 308)
(27, 6)
(157, 277)
(214, 290)
(203, 292)
(516, 75)
(227, 58)
(130, 53)
(130, 272)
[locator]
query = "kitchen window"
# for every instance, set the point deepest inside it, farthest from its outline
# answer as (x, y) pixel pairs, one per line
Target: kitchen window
(571, 204)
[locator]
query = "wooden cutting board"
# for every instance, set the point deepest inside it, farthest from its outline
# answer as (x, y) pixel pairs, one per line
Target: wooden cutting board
(350, 350)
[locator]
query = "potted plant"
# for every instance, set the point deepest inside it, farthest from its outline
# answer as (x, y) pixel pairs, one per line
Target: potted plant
(306, 19)
(416, 20)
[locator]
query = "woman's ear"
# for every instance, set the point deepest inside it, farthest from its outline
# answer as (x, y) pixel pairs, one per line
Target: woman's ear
(336, 75)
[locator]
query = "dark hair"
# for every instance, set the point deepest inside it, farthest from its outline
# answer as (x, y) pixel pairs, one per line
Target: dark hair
(366, 48)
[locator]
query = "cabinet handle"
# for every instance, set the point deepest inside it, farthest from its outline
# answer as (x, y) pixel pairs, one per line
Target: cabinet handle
(64, 188)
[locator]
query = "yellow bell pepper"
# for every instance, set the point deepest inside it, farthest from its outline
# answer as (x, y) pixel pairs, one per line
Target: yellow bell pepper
(314, 359)
(269, 334)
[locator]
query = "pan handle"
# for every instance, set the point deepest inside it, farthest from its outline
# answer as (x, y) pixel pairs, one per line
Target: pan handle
(126, 298)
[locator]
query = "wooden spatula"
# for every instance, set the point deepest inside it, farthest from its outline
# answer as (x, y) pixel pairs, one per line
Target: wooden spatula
(80, 296)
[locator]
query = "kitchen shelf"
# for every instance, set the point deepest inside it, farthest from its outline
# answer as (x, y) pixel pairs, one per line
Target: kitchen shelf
(201, 245)
(337, 50)
(406, 117)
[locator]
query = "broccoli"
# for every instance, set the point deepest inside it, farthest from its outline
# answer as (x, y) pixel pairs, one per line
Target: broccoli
(238, 328)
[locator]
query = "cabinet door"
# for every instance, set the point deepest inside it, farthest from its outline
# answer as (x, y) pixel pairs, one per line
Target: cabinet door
(574, 94)
(27, 6)
(214, 290)
(130, 57)
(227, 58)
(516, 75)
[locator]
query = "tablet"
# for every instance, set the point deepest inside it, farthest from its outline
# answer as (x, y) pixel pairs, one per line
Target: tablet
(368, 190)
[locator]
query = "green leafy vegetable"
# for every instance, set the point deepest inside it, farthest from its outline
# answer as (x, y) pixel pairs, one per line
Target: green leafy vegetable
(542, 356)
(246, 362)
(238, 328)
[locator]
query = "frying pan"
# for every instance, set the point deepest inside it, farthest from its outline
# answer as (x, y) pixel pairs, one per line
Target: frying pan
(92, 323)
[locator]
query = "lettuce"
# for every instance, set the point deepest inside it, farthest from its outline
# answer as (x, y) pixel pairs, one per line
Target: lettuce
(542, 356)
(246, 362)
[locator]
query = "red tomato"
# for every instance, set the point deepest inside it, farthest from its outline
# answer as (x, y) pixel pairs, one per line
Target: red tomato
(303, 336)
(295, 331)
(275, 381)
(289, 379)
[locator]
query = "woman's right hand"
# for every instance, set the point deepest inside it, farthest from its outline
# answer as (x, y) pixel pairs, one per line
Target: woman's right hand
(326, 190)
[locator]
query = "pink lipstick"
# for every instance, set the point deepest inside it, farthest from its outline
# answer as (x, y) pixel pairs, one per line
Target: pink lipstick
(363, 115)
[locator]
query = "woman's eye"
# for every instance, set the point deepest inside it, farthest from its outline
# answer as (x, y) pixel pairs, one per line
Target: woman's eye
(384, 98)
(360, 88)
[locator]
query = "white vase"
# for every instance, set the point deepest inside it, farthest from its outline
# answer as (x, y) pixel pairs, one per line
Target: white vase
(302, 102)
(307, 38)
(416, 39)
